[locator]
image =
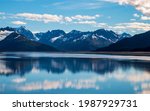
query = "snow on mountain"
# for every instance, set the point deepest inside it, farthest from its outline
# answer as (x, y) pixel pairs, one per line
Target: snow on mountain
(27, 33)
(21, 30)
(55, 38)
(4, 34)
(17, 37)
(85, 36)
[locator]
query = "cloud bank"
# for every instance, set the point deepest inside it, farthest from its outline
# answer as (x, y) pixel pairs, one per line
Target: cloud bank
(46, 18)
(140, 5)
(19, 23)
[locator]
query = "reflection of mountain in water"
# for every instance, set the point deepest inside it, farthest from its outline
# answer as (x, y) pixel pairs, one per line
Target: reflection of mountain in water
(59, 65)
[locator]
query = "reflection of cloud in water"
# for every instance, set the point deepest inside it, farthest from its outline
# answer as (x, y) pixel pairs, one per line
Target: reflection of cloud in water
(45, 85)
(4, 69)
(19, 80)
(35, 70)
(146, 85)
(134, 77)
(139, 81)
(145, 88)
(145, 92)
(75, 84)
(74, 73)
(139, 78)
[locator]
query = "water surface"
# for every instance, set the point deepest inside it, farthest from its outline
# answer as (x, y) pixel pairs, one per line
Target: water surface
(57, 73)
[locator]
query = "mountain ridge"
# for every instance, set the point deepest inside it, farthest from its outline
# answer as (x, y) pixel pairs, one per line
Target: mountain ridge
(139, 42)
(75, 40)
(17, 42)
(80, 41)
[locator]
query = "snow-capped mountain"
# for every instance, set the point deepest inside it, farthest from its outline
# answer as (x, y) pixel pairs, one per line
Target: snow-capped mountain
(139, 42)
(80, 41)
(18, 42)
(4, 32)
(71, 41)
(27, 33)
(49, 36)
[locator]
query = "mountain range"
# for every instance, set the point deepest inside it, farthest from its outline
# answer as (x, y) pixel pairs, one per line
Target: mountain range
(18, 42)
(59, 40)
(80, 41)
(139, 42)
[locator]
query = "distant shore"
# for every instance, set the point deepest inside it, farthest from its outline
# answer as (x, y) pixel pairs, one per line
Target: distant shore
(87, 52)
(120, 53)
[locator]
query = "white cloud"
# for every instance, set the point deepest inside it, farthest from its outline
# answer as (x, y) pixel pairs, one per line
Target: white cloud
(19, 80)
(102, 25)
(92, 23)
(131, 27)
(68, 19)
(19, 23)
(136, 15)
(141, 5)
(46, 18)
(85, 17)
(134, 25)
(132, 19)
(145, 18)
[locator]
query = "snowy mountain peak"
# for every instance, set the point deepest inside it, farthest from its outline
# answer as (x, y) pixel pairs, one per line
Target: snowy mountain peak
(27, 33)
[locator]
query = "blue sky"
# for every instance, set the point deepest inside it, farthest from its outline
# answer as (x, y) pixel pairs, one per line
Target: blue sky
(85, 15)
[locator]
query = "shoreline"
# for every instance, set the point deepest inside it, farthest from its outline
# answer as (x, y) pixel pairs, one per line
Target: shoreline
(89, 52)
(116, 53)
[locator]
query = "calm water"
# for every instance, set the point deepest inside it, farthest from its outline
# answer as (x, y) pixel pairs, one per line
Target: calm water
(73, 73)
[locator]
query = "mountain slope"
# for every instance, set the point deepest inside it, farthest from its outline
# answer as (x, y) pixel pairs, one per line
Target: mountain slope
(140, 42)
(17, 42)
